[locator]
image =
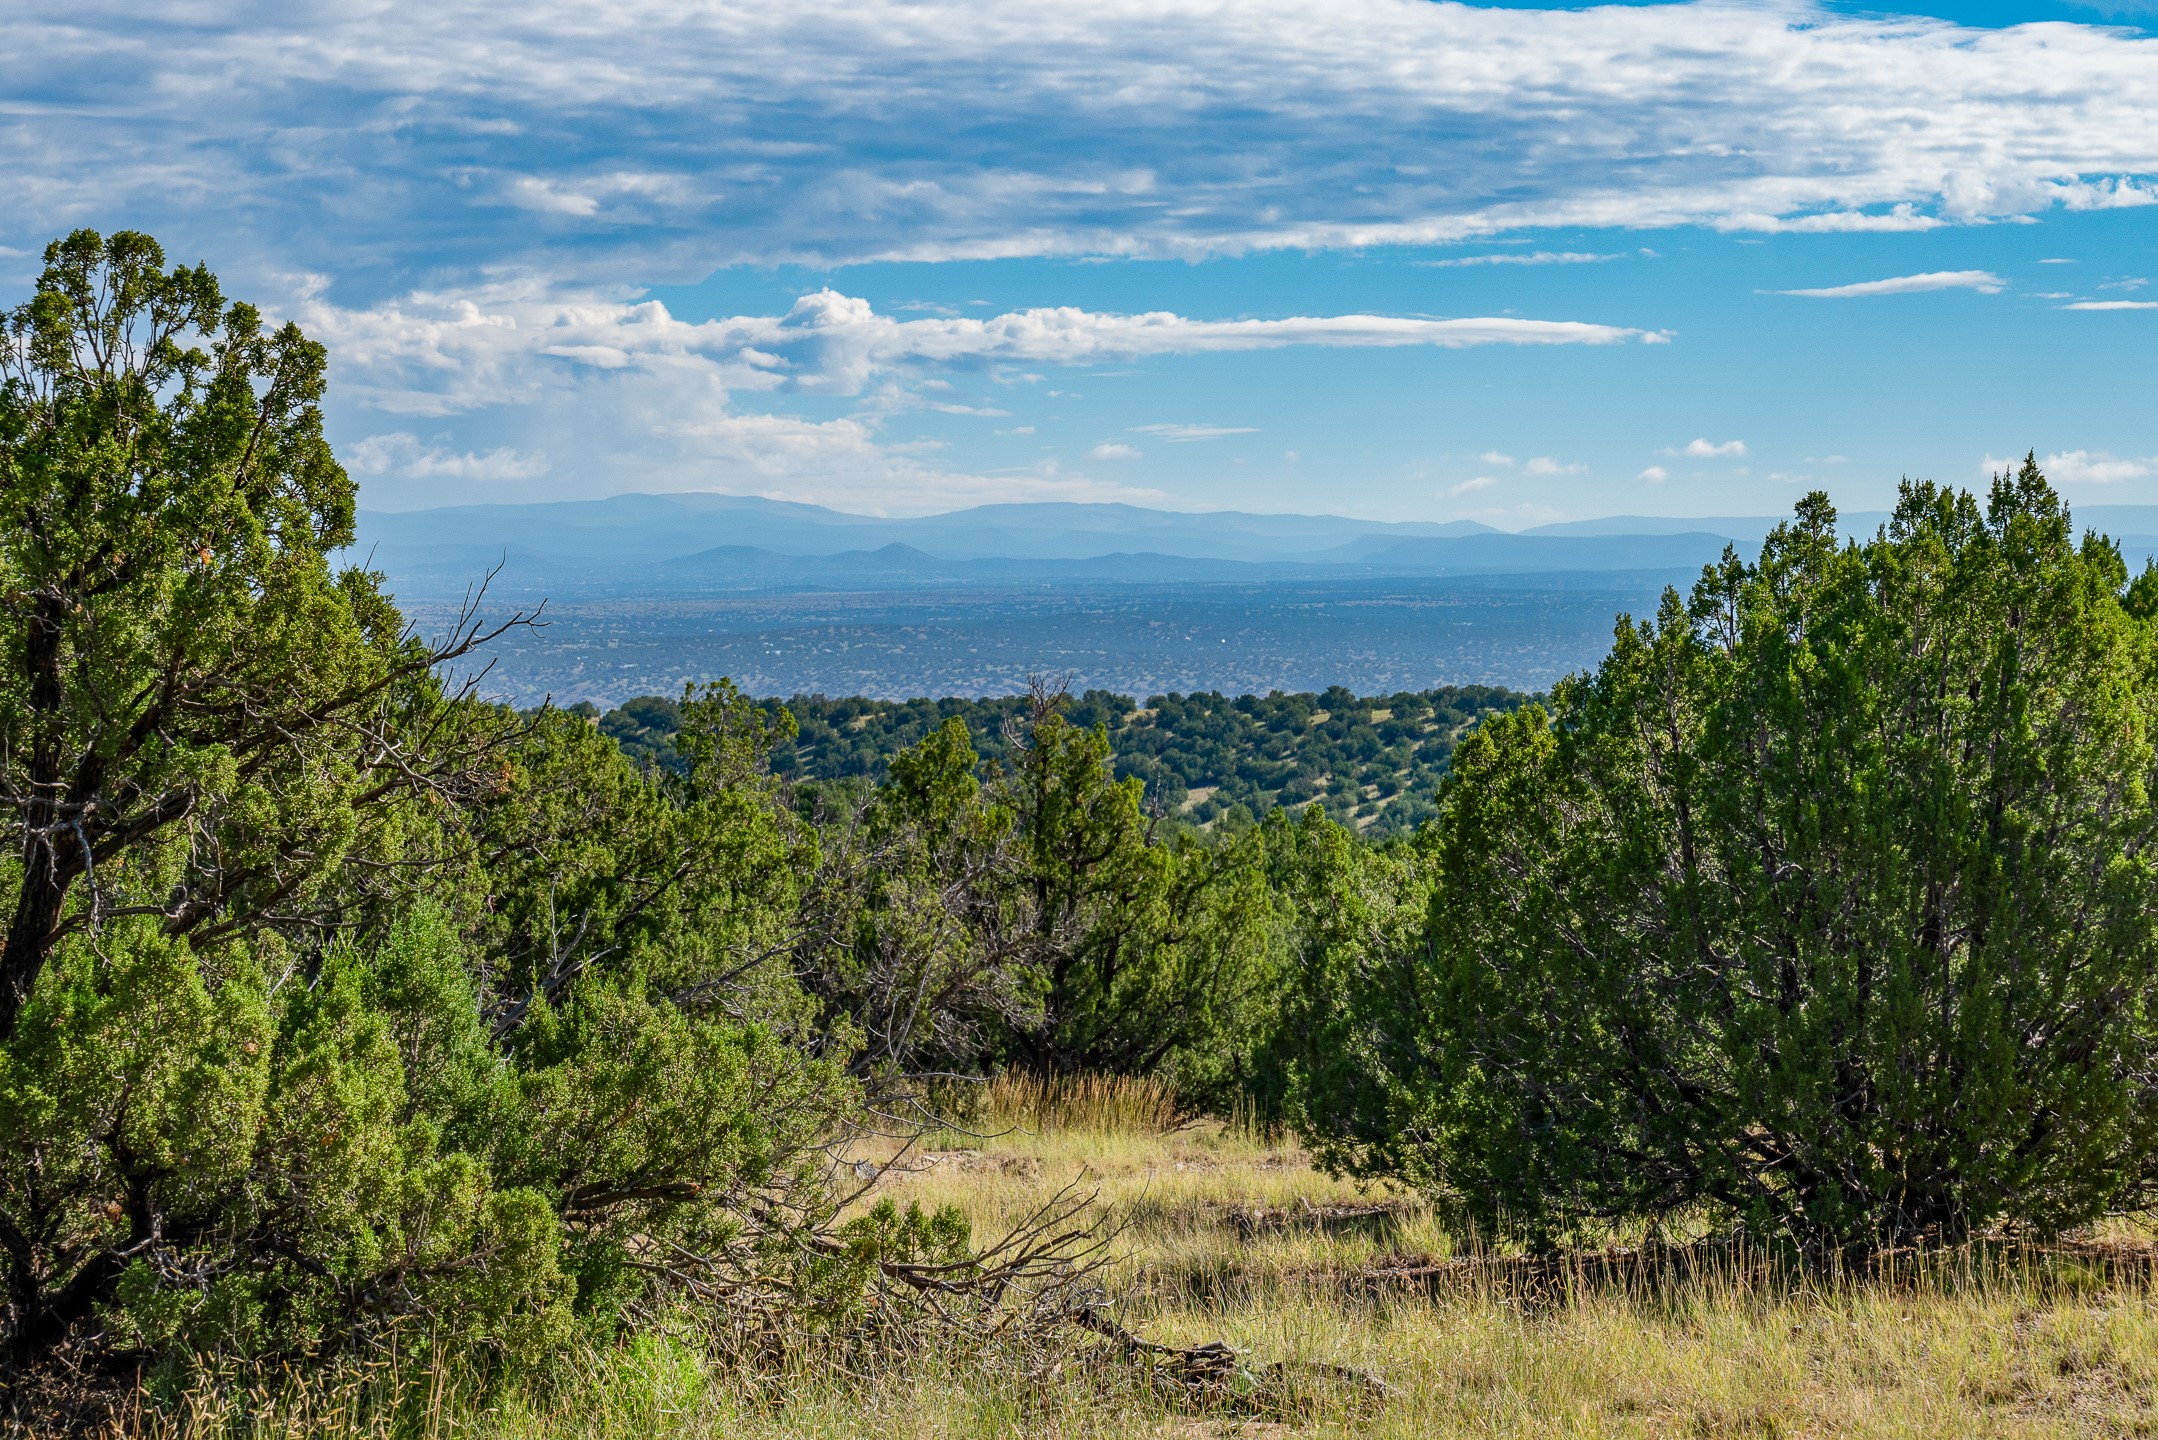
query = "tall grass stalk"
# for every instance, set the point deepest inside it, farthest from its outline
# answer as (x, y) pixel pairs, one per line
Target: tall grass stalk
(1109, 1104)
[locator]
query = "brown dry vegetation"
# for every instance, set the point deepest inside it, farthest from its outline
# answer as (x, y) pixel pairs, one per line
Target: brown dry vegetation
(1224, 1233)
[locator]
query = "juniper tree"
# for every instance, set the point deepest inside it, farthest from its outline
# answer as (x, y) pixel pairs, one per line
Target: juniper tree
(332, 1003)
(198, 710)
(1826, 903)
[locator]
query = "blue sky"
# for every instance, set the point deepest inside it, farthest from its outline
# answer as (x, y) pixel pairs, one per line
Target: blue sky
(1382, 257)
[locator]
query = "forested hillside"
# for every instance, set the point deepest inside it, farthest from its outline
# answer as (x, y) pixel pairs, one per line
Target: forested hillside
(1371, 762)
(352, 1023)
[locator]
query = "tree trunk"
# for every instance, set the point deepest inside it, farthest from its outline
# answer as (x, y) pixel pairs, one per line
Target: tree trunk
(45, 878)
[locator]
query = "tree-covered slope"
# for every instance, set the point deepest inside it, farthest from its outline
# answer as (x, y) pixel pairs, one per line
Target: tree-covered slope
(1371, 761)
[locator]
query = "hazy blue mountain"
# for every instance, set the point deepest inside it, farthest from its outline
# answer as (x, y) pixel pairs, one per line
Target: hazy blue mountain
(698, 544)
(648, 592)
(631, 529)
(737, 567)
(1499, 553)
(1744, 529)
(1060, 531)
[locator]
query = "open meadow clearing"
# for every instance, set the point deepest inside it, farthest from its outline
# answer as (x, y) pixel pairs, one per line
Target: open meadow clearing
(1225, 1234)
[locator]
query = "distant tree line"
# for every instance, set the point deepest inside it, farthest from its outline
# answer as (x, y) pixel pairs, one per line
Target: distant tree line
(1369, 762)
(340, 1008)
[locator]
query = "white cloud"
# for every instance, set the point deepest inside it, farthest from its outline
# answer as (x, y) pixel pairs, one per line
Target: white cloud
(2113, 305)
(528, 192)
(2093, 467)
(702, 132)
(1493, 457)
(1538, 257)
(1654, 475)
(437, 353)
(986, 412)
(617, 391)
(1114, 450)
(835, 342)
(1545, 465)
(1983, 281)
(617, 386)
(1470, 487)
(2056, 260)
(404, 454)
(1185, 434)
(1704, 449)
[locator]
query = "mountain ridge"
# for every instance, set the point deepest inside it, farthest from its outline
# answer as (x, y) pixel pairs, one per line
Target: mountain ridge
(696, 543)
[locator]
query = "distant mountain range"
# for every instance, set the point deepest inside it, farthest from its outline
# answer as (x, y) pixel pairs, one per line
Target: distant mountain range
(689, 545)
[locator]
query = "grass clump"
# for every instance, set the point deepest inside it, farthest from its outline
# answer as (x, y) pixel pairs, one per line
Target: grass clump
(1224, 1236)
(1137, 1105)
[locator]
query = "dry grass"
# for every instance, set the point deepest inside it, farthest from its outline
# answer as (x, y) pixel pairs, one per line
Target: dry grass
(1103, 1104)
(1226, 1234)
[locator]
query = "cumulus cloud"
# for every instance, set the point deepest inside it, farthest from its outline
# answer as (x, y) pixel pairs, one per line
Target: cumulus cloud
(432, 353)
(1470, 487)
(1983, 281)
(1654, 475)
(2092, 467)
(1705, 449)
(2113, 305)
(703, 132)
(610, 383)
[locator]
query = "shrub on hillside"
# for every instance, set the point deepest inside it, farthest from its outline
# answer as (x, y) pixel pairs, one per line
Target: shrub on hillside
(1825, 905)
(333, 1004)
(1040, 919)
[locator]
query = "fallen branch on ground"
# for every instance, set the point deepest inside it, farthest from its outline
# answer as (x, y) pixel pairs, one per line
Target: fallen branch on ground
(1212, 1372)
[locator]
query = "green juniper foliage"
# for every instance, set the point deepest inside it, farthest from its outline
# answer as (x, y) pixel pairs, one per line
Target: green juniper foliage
(1370, 761)
(181, 656)
(1041, 918)
(335, 1005)
(1146, 953)
(1826, 904)
(341, 1012)
(1343, 909)
(202, 728)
